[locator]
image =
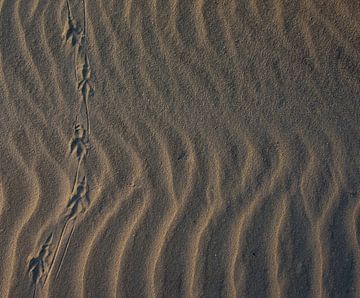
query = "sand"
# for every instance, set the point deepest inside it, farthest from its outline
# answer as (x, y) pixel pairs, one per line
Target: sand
(179, 148)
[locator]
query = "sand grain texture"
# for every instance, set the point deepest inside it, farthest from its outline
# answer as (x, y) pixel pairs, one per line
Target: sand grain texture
(223, 158)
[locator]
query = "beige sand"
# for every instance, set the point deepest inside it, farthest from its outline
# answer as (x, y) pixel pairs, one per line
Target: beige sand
(223, 156)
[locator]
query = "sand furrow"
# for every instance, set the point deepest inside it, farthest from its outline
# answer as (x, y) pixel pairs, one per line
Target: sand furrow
(124, 245)
(44, 208)
(335, 32)
(321, 200)
(185, 65)
(180, 184)
(30, 184)
(276, 283)
(146, 82)
(190, 60)
(56, 71)
(239, 265)
(249, 171)
(198, 242)
(132, 194)
(354, 237)
(118, 46)
(103, 231)
(24, 46)
(171, 215)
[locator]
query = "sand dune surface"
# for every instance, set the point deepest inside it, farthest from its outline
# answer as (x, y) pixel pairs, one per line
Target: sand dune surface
(180, 148)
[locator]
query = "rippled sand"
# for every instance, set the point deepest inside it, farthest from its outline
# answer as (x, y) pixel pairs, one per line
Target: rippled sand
(223, 158)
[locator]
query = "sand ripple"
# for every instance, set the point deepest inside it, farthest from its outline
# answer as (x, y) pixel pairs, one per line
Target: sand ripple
(223, 158)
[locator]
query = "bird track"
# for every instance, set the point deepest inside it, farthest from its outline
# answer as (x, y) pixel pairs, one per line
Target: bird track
(39, 268)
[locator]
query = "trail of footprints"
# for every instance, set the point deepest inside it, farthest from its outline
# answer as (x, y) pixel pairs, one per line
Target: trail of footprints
(40, 266)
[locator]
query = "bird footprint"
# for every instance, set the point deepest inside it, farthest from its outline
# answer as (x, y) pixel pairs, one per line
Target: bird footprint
(37, 264)
(80, 142)
(73, 32)
(80, 198)
(84, 85)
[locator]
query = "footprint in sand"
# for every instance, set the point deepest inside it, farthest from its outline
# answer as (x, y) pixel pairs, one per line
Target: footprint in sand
(80, 142)
(80, 198)
(84, 85)
(73, 33)
(37, 264)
